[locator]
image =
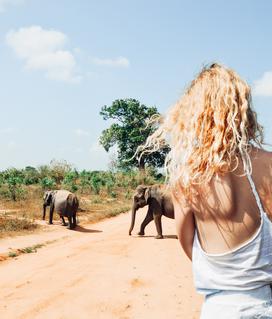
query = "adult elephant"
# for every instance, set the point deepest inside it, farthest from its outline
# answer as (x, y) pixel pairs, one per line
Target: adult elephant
(159, 203)
(63, 202)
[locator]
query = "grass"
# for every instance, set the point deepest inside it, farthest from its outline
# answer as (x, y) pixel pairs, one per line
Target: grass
(26, 250)
(31, 249)
(98, 215)
(12, 254)
(12, 224)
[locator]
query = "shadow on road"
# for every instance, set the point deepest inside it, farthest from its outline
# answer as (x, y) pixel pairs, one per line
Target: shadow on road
(170, 236)
(164, 236)
(86, 230)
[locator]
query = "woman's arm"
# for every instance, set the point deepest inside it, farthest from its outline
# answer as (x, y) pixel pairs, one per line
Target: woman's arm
(185, 224)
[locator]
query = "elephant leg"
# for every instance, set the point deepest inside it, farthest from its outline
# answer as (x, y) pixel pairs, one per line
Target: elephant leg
(74, 221)
(63, 221)
(157, 219)
(70, 226)
(51, 214)
(44, 211)
(146, 221)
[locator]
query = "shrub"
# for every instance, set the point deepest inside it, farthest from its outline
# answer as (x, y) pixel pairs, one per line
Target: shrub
(85, 181)
(58, 170)
(47, 183)
(70, 181)
(44, 171)
(113, 194)
(96, 183)
(31, 175)
(128, 194)
(15, 224)
(13, 178)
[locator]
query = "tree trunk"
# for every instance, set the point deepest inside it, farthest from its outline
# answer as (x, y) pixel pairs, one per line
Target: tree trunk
(142, 164)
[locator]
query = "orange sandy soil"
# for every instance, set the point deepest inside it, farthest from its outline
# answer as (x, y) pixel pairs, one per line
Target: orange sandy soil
(98, 272)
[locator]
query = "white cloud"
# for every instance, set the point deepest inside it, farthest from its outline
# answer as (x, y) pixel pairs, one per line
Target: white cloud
(118, 62)
(6, 3)
(80, 132)
(263, 86)
(44, 50)
(11, 145)
(6, 130)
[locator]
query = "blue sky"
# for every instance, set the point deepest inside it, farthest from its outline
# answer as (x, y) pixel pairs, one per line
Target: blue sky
(61, 61)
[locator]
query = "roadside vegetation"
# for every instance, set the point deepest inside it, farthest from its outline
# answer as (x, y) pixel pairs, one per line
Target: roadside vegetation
(102, 194)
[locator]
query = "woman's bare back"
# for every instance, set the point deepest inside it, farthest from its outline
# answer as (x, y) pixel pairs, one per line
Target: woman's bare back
(226, 212)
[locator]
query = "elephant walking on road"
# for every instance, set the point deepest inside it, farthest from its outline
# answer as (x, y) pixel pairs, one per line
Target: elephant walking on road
(159, 203)
(63, 202)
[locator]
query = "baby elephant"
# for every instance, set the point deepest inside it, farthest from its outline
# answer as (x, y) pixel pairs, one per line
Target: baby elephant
(63, 202)
(159, 203)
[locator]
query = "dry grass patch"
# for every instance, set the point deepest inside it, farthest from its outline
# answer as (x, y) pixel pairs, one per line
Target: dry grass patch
(97, 207)
(14, 226)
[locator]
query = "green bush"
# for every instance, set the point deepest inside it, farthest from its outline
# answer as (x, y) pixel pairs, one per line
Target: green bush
(70, 181)
(85, 181)
(47, 183)
(13, 178)
(96, 182)
(31, 175)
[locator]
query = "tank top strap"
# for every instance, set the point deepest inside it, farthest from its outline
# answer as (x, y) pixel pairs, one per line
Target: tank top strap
(255, 193)
(252, 184)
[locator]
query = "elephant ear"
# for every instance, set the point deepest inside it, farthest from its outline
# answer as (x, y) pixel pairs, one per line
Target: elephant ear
(51, 194)
(45, 195)
(147, 193)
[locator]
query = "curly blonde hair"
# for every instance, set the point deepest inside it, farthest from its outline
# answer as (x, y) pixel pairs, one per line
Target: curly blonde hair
(209, 128)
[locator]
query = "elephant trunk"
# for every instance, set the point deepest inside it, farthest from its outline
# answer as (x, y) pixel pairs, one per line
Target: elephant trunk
(133, 214)
(44, 211)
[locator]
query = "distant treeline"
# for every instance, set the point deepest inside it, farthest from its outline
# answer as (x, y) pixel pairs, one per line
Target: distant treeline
(63, 175)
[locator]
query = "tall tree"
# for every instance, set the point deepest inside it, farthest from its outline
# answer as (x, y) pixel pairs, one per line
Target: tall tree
(129, 131)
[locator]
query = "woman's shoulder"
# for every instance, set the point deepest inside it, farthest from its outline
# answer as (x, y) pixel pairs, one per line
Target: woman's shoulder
(261, 158)
(261, 161)
(262, 175)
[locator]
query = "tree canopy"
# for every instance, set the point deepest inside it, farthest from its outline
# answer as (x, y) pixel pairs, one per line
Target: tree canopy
(129, 131)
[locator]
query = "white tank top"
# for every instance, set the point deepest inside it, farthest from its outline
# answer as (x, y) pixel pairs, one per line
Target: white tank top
(246, 267)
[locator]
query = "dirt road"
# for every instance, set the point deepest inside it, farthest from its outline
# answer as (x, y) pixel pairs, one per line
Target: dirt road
(99, 272)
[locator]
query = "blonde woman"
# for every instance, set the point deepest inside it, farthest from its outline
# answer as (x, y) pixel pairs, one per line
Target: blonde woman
(221, 183)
